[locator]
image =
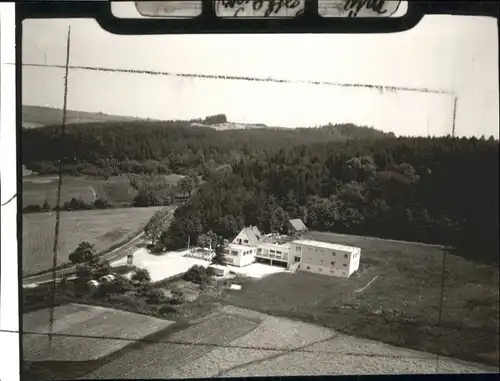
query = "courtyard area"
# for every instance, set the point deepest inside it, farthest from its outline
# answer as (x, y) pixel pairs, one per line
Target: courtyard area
(170, 264)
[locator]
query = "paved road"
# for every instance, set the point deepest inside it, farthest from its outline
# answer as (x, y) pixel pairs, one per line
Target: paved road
(118, 253)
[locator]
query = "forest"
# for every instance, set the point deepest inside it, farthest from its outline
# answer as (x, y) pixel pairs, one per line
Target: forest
(430, 190)
(339, 178)
(113, 148)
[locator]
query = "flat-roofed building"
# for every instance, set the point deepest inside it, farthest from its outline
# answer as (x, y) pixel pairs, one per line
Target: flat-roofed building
(325, 258)
(276, 254)
(239, 255)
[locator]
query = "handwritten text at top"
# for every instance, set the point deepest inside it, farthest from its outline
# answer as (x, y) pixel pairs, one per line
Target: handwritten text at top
(270, 7)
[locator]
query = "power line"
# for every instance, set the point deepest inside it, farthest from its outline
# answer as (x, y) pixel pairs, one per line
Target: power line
(247, 78)
(218, 345)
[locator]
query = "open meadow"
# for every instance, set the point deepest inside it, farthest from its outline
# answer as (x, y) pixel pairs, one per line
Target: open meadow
(103, 228)
(116, 190)
(401, 304)
(38, 189)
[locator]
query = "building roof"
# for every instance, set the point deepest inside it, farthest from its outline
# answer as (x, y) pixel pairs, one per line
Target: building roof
(276, 239)
(271, 245)
(235, 246)
(297, 224)
(256, 231)
(326, 245)
(251, 233)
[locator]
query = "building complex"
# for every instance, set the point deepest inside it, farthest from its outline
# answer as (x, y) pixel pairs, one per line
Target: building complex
(292, 252)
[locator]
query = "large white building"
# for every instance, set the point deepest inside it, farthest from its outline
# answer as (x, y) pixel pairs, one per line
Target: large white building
(326, 258)
(318, 257)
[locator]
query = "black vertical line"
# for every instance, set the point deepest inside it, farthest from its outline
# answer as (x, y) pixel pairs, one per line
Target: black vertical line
(446, 249)
(455, 100)
(442, 285)
(19, 173)
(59, 185)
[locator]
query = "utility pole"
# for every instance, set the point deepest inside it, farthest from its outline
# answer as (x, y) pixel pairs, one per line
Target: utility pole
(59, 186)
(189, 241)
(446, 248)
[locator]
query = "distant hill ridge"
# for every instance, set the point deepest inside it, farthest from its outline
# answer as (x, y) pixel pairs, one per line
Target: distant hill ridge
(39, 116)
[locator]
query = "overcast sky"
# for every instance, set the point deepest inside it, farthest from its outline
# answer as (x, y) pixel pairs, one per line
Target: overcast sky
(455, 53)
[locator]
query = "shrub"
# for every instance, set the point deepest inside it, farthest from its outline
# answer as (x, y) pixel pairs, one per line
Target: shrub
(154, 296)
(101, 204)
(117, 286)
(167, 309)
(102, 269)
(141, 277)
(32, 208)
(178, 297)
(76, 204)
(197, 274)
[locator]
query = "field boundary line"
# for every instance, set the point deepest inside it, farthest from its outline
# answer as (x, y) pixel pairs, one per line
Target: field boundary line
(368, 284)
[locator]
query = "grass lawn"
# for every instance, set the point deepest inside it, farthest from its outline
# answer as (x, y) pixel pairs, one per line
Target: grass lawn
(103, 228)
(38, 189)
(400, 307)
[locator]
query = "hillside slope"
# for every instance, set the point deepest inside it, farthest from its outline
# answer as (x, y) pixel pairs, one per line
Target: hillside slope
(37, 116)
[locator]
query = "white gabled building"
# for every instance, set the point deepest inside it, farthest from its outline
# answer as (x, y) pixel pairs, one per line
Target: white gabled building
(325, 258)
(248, 236)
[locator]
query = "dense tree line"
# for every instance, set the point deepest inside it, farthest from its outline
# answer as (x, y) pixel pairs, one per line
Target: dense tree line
(433, 190)
(111, 148)
(73, 204)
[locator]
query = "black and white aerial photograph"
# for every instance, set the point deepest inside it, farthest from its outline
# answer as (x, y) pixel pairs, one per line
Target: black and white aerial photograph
(236, 205)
